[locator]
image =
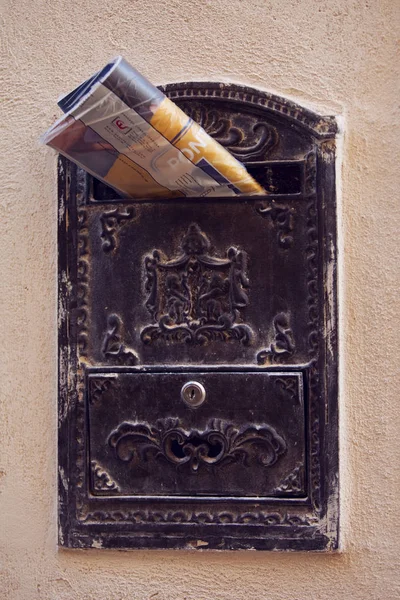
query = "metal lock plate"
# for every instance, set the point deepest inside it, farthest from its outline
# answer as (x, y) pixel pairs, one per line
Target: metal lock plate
(198, 347)
(193, 394)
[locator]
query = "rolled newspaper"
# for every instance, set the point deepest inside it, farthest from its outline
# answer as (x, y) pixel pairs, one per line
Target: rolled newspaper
(127, 133)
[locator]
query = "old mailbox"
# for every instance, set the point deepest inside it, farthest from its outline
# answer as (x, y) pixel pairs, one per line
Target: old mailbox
(198, 346)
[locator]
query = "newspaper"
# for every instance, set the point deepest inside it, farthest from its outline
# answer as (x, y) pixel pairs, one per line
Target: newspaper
(127, 133)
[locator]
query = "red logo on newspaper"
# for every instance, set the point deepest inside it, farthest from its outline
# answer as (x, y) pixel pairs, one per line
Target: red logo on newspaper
(121, 125)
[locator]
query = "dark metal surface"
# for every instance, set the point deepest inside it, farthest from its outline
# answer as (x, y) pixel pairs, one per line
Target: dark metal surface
(198, 346)
(216, 449)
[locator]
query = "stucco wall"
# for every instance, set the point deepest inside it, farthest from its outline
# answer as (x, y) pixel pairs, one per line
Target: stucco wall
(337, 57)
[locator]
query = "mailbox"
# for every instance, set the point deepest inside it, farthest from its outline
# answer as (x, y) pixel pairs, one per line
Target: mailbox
(198, 346)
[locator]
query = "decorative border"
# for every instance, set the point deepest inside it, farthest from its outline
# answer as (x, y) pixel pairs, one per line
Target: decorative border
(321, 127)
(82, 312)
(198, 517)
(314, 316)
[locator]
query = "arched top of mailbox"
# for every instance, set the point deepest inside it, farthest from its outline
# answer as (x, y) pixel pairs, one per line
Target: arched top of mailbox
(248, 99)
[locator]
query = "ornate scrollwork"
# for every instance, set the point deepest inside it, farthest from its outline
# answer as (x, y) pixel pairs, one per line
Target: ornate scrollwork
(196, 297)
(292, 482)
(289, 385)
(283, 345)
(113, 349)
(111, 222)
(101, 480)
(282, 217)
(253, 142)
(218, 443)
(98, 386)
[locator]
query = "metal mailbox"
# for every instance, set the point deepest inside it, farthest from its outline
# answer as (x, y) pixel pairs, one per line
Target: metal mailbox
(198, 346)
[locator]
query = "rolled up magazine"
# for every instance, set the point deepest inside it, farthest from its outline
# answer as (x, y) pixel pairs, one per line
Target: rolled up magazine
(128, 134)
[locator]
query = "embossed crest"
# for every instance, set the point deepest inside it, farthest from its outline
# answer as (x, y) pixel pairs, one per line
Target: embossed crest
(197, 297)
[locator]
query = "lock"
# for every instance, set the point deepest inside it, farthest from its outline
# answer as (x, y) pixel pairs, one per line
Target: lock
(193, 394)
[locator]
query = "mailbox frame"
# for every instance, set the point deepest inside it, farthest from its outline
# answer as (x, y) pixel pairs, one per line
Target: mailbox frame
(248, 123)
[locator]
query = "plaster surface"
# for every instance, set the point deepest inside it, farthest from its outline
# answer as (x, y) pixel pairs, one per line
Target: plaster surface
(337, 57)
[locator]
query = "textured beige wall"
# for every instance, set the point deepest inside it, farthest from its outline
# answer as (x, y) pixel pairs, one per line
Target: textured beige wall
(334, 56)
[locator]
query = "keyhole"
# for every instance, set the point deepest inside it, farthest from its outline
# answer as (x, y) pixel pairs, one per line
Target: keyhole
(193, 394)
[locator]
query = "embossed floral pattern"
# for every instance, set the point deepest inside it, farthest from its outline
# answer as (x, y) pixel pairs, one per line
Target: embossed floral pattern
(219, 443)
